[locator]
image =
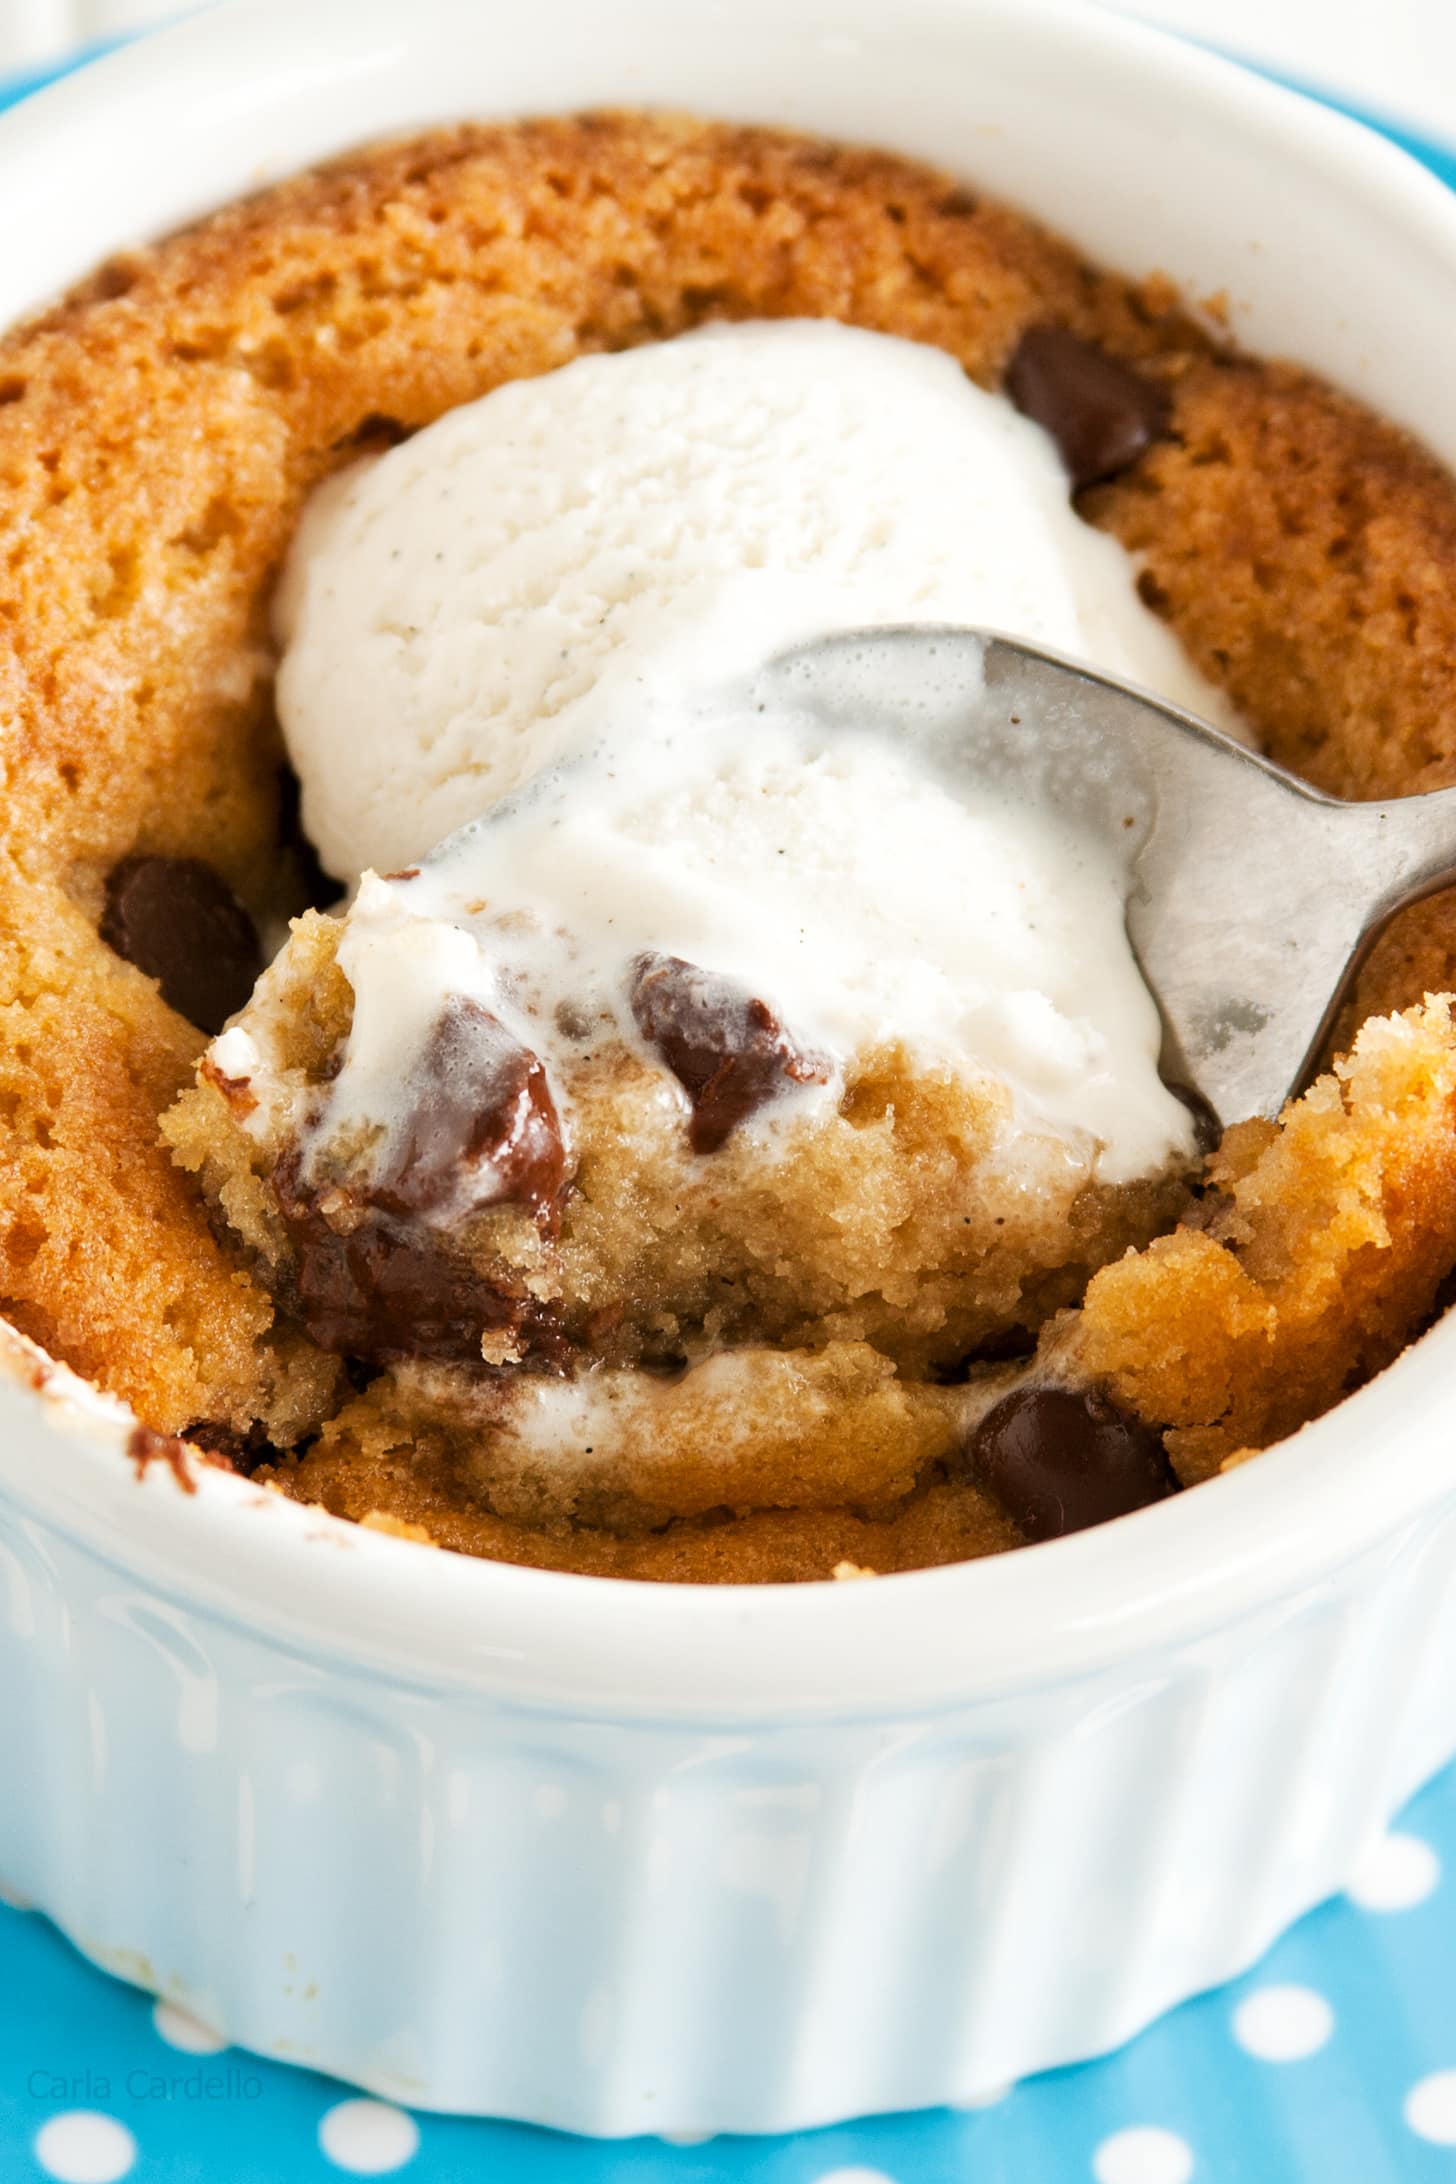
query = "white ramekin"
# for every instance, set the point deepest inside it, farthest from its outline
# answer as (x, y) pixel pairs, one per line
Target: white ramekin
(624, 1858)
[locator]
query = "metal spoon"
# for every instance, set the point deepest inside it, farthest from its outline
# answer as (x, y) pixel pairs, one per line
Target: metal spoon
(1252, 897)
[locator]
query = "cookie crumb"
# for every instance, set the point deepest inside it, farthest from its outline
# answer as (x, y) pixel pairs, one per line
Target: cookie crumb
(379, 1520)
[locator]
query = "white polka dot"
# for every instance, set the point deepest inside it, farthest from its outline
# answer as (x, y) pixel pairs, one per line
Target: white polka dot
(1430, 2108)
(13, 1900)
(182, 2030)
(687, 2138)
(853, 2176)
(85, 2147)
(1395, 1873)
(1144, 2155)
(991, 2098)
(368, 2137)
(1283, 2024)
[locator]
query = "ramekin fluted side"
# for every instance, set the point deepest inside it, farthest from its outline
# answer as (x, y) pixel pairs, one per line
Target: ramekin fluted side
(628, 1927)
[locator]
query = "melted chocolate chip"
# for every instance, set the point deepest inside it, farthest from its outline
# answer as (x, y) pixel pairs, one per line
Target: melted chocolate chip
(240, 1452)
(179, 922)
(370, 1277)
(1102, 414)
(146, 1446)
(1060, 1459)
(381, 1289)
(375, 431)
(482, 1126)
(727, 1050)
(237, 1091)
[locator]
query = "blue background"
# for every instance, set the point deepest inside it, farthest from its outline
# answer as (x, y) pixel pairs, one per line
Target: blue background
(71, 2038)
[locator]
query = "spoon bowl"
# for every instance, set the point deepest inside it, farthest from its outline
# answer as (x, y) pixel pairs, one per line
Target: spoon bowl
(1252, 898)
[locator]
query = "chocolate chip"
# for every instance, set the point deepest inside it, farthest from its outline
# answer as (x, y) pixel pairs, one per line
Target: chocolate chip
(1102, 414)
(727, 1050)
(146, 1446)
(382, 1290)
(374, 433)
(179, 922)
(1060, 1459)
(237, 1091)
(369, 1277)
(482, 1127)
(240, 1452)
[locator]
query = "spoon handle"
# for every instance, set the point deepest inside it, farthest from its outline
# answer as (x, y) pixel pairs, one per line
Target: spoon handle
(1413, 849)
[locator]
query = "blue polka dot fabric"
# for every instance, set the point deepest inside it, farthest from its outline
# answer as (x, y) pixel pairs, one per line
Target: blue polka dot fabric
(1333, 2063)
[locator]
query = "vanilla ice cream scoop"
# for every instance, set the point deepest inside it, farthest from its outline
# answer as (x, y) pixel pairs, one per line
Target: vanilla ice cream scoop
(519, 680)
(454, 610)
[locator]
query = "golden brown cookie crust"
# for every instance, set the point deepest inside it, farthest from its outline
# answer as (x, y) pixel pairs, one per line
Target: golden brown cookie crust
(161, 428)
